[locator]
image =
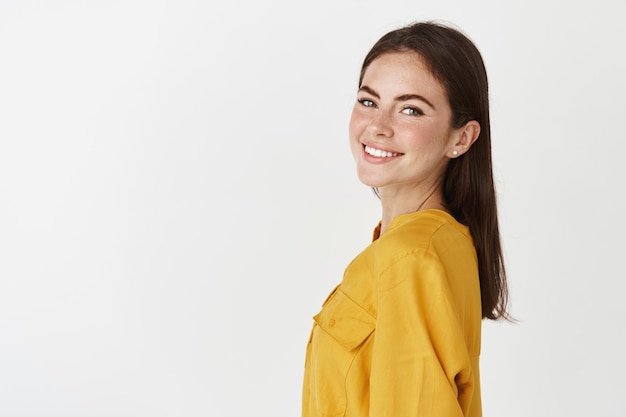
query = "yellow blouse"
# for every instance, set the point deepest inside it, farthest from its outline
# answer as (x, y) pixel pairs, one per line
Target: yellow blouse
(400, 336)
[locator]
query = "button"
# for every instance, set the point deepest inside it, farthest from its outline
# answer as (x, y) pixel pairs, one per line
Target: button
(331, 322)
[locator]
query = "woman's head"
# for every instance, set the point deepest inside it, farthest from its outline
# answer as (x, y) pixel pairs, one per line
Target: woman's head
(400, 131)
(456, 63)
(467, 184)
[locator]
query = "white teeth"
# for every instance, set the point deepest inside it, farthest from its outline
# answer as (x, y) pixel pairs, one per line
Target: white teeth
(379, 154)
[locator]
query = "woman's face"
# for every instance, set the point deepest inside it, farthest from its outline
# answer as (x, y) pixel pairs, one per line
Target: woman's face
(400, 133)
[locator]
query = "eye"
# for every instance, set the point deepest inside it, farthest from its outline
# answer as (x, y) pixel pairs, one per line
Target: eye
(412, 111)
(367, 102)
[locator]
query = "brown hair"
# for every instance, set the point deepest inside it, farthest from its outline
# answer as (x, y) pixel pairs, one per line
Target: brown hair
(468, 183)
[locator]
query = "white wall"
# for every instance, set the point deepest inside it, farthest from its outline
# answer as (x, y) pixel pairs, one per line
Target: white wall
(177, 198)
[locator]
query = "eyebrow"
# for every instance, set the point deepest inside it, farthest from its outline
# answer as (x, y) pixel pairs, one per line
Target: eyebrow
(403, 97)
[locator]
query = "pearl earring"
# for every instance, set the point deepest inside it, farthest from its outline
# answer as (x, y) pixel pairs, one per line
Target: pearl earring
(455, 152)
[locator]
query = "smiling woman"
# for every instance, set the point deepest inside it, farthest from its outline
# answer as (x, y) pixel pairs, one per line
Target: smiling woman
(400, 335)
(401, 136)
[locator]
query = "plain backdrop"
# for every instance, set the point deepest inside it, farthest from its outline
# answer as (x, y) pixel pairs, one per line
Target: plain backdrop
(177, 198)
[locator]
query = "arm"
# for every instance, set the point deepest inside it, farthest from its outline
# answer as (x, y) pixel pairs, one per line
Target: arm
(420, 364)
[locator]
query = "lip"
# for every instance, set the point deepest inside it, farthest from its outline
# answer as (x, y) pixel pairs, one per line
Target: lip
(379, 159)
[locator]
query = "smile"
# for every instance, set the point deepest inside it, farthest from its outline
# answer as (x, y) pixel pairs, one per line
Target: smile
(379, 153)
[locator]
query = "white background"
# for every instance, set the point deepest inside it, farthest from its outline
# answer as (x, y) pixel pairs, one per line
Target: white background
(177, 198)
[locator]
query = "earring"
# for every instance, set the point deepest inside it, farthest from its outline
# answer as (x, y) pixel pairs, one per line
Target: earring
(455, 152)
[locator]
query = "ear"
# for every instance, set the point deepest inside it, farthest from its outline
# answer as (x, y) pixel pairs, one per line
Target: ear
(463, 138)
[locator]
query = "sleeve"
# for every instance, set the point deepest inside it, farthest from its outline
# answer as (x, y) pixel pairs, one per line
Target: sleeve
(420, 363)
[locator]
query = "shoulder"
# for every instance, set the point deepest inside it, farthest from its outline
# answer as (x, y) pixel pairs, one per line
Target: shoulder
(430, 231)
(426, 248)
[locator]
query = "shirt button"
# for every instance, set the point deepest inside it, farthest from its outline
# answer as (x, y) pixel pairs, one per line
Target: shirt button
(331, 322)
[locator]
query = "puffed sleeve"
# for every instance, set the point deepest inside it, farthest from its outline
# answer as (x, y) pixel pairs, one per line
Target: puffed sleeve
(420, 364)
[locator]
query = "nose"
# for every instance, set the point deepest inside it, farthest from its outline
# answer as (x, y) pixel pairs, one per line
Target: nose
(380, 125)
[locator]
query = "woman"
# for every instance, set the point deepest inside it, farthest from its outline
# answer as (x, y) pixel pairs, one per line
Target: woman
(400, 336)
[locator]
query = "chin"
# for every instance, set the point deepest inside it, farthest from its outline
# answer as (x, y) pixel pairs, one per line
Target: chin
(371, 182)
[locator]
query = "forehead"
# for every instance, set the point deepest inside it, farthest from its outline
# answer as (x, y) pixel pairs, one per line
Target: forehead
(402, 70)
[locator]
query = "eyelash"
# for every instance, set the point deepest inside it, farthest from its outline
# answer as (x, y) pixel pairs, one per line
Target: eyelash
(365, 101)
(413, 111)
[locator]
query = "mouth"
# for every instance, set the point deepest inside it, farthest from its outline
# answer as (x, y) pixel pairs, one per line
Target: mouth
(379, 153)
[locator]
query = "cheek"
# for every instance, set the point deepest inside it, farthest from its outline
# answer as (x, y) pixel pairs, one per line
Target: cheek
(357, 125)
(421, 135)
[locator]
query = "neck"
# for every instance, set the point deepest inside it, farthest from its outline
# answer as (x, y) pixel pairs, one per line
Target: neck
(395, 203)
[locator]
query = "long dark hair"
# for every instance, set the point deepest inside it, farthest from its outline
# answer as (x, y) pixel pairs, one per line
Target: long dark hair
(468, 187)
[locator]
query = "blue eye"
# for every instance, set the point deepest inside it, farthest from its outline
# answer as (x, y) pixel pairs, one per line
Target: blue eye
(412, 111)
(367, 103)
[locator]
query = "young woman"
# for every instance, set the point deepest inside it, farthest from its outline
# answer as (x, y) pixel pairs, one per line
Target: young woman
(400, 336)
